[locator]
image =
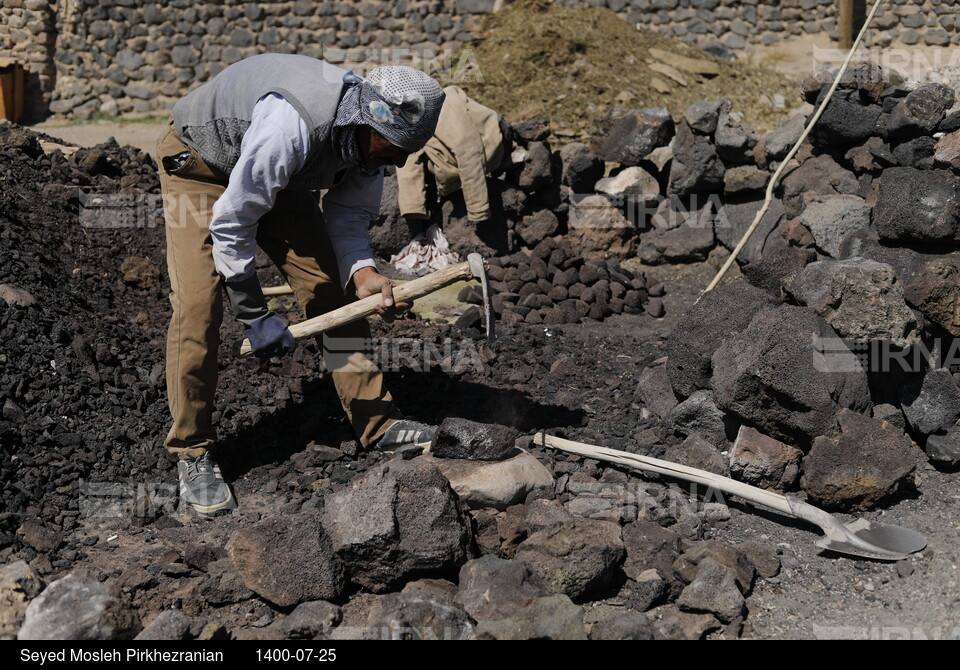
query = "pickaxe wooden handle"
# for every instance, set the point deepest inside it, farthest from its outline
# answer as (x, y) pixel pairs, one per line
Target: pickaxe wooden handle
(360, 309)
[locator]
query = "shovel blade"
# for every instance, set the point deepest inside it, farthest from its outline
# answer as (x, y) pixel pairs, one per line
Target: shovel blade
(881, 541)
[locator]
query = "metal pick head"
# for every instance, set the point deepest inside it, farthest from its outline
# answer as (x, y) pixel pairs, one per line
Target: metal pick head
(480, 272)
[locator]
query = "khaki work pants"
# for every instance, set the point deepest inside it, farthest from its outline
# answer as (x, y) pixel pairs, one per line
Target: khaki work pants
(293, 236)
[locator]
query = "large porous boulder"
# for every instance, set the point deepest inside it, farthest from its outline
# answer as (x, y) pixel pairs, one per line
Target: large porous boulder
(946, 152)
(931, 404)
(734, 557)
(788, 374)
(19, 583)
(288, 560)
(820, 175)
(831, 218)
(931, 282)
(860, 298)
(866, 462)
(407, 616)
(599, 228)
(494, 588)
(400, 521)
(763, 461)
(696, 166)
(713, 590)
(770, 272)
(579, 557)
(497, 484)
(737, 215)
(548, 618)
(921, 111)
(627, 137)
(920, 206)
(78, 607)
(580, 169)
(845, 122)
(719, 315)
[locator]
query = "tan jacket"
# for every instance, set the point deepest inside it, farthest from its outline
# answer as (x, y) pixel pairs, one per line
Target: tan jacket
(466, 145)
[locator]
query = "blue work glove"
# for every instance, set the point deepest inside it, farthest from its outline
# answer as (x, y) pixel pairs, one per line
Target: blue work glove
(270, 336)
(267, 331)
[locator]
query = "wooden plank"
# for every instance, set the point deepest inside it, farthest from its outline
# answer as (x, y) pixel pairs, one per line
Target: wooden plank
(845, 24)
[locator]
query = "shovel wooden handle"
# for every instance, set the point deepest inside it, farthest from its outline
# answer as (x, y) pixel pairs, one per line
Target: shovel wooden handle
(360, 309)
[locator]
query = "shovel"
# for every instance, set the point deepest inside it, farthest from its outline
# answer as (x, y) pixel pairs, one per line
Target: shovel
(858, 538)
(472, 267)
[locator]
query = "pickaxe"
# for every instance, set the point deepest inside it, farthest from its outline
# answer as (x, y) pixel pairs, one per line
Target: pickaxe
(411, 290)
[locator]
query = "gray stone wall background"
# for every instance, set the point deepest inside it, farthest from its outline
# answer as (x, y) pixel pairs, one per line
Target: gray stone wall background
(85, 57)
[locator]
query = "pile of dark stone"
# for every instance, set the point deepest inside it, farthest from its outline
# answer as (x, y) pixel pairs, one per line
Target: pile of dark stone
(555, 285)
(830, 368)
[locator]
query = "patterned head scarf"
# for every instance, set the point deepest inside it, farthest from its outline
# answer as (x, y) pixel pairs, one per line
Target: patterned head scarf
(399, 102)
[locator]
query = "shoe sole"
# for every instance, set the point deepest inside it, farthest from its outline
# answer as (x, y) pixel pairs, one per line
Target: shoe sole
(211, 510)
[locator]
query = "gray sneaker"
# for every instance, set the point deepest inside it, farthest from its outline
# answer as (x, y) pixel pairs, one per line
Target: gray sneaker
(406, 433)
(202, 485)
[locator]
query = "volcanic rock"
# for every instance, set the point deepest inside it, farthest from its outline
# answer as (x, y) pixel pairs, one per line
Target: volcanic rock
(931, 404)
(626, 626)
(537, 226)
(713, 590)
(921, 111)
(650, 546)
(916, 153)
(547, 618)
(19, 584)
(820, 175)
(918, 206)
(600, 229)
(946, 152)
(861, 299)
(399, 521)
(168, 625)
(845, 122)
(76, 607)
(654, 389)
(580, 169)
(763, 461)
(497, 484)
(832, 218)
(470, 440)
(404, 616)
(737, 216)
(578, 557)
(627, 137)
(536, 129)
(288, 560)
(719, 315)
(311, 620)
(869, 461)
(494, 588)
(787, 374)
(696, 166)
(944, 448)
(779, 143)
(633, 183)
(770, 272)
(536, 169)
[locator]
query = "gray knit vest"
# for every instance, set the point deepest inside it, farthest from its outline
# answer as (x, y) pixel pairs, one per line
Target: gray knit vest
(214, 117)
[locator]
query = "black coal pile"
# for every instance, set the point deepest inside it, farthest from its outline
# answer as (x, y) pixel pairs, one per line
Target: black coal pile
(80, 361)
